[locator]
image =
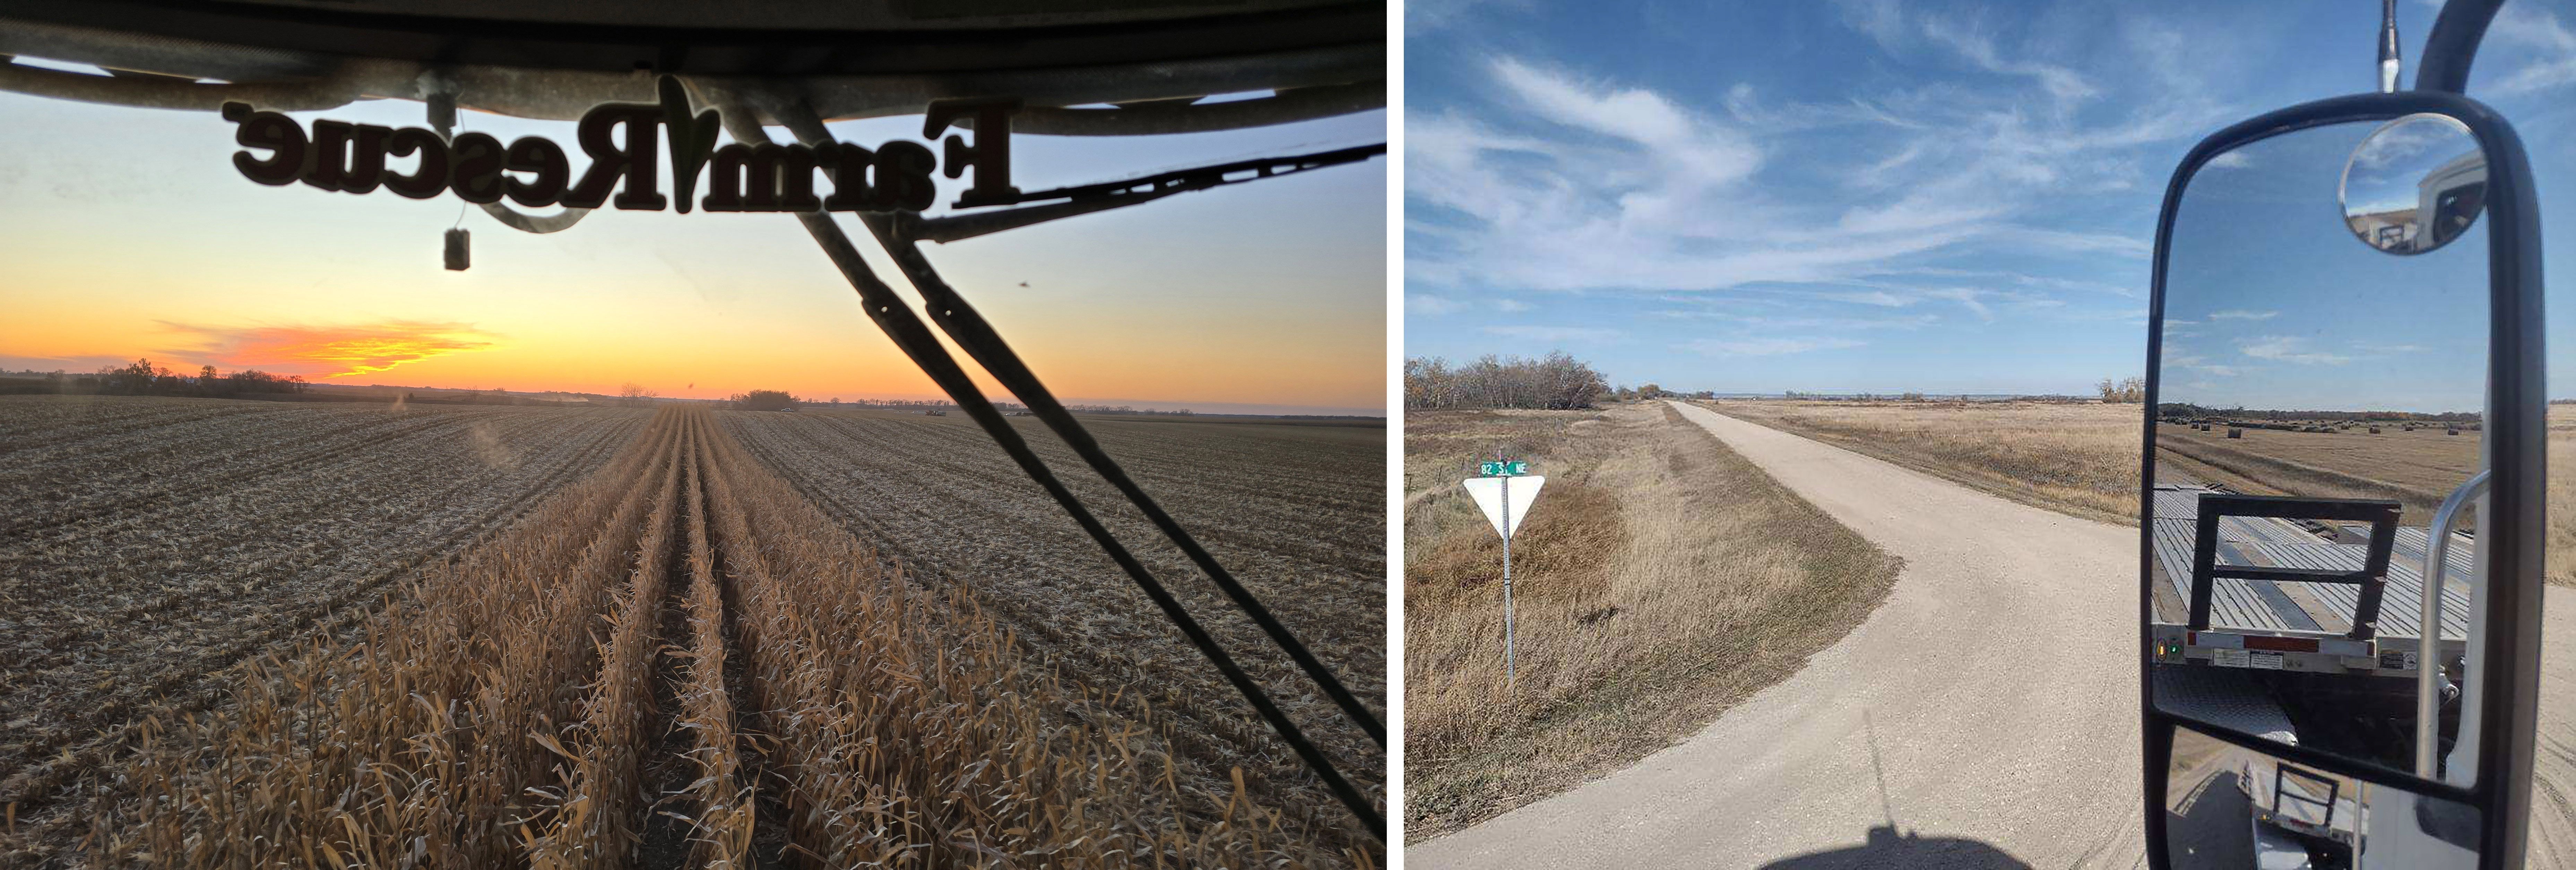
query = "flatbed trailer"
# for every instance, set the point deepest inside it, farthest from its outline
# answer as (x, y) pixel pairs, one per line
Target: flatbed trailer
(2294, 625)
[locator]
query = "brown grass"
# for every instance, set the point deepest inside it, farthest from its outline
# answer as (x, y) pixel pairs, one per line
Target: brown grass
(1661, 578)
(503, 715)
(2079, 459)
(2082, 459)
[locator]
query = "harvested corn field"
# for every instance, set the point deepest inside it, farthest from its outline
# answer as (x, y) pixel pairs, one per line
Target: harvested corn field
(150, 547)
(676, 662)
(1296, 512)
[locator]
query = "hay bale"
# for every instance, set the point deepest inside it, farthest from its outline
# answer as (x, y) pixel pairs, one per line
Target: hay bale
(2451, 431)
(2233, 432)
(2374, 430)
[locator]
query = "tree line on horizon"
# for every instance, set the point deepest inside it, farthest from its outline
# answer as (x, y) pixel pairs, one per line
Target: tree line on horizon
(1553, 382)
(143, 377)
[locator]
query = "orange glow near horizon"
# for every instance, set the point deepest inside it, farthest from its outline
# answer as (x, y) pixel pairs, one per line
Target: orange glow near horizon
(315, 350)
(1270, 295)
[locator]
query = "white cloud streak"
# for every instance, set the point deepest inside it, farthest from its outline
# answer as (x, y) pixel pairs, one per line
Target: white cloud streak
(2290, 349)
(1570, 334)
(1768, 346)
(1563, 181)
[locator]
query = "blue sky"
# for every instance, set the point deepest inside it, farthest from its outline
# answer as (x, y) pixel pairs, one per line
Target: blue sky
(1864, 196)
(2272, 304)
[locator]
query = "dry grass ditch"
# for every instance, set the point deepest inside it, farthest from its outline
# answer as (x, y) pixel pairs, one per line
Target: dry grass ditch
(1660, 579)
(675, 662)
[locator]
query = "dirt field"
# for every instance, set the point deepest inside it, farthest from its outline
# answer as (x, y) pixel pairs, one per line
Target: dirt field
(676, 631)
(2082, 459)
(1296, 512)
(1660, 579)
(150, 546)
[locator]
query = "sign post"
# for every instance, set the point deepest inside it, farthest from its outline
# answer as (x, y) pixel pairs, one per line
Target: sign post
(1505, 509)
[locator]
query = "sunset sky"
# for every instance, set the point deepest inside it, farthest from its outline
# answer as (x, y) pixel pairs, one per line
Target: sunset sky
(129, 234)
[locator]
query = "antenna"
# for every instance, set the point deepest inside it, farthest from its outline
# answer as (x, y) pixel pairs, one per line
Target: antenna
(2388, 63)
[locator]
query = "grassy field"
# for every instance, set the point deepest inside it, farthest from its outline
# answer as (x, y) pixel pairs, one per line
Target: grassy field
(2076, 459)
(2415, 468)
(2082, 459)
(1297, 512)
(1660, 579)
(535, 637)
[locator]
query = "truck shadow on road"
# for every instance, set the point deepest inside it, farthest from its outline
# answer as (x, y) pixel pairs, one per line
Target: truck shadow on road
(1887, 848)
(1884, 847)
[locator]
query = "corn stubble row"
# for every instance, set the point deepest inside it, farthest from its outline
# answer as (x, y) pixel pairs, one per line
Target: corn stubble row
(1298, 513)
(828, 712)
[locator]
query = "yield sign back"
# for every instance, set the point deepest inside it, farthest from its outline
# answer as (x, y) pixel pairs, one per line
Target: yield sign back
(1489, 495)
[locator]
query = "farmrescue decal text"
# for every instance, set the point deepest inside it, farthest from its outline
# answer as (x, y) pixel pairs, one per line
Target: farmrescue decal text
(624, 170)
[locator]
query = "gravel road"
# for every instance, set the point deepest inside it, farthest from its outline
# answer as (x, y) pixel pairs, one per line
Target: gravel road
(1984, 717)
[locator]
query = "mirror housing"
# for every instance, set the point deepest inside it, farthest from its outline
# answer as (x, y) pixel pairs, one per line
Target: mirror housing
(2506, 654)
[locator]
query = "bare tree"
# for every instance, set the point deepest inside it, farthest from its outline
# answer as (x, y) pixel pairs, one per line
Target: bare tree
(2126, 391)
(634, 394)
(1556, 381)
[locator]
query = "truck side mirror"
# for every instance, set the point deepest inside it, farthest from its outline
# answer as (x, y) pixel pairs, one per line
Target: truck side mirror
(2339, 629)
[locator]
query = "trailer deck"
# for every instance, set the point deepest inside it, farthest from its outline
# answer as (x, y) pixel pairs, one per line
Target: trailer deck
(2300, 609)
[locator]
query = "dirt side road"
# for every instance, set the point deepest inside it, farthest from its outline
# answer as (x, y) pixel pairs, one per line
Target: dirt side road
(1987, 711)
(2010, 627)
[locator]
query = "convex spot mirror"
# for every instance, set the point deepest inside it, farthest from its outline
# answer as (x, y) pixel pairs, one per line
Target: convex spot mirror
(2414, 185)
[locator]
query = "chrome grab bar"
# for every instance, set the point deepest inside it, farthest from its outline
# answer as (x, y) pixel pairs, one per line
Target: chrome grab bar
(2428, 631)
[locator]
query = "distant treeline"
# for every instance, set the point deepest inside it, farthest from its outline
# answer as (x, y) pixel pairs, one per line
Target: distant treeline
(2182, 409)
(143, 378)
(1555, 381)
(1122, 409)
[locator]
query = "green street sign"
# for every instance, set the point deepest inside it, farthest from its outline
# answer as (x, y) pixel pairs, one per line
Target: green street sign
(1498, 469)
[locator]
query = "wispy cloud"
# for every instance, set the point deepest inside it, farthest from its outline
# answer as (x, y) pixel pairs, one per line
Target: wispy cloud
(1768, 346)
(2292, 349)
(1554, 333)
(1513, 306)
(2543, 50)
(1429, 305)
(1968, 298)
(2194, 362)
(333, 351)
(1869, 297)
(2240, 314)
(1565, 180)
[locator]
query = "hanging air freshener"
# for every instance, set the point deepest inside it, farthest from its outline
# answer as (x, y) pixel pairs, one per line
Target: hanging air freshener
(458, 250)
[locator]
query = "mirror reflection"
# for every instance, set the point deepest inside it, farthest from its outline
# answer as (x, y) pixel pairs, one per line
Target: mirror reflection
(2415, 184)
(2317, 404)
(2231, 808)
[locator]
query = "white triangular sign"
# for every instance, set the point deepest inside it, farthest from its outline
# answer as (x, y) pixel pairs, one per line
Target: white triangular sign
(1489, 495)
